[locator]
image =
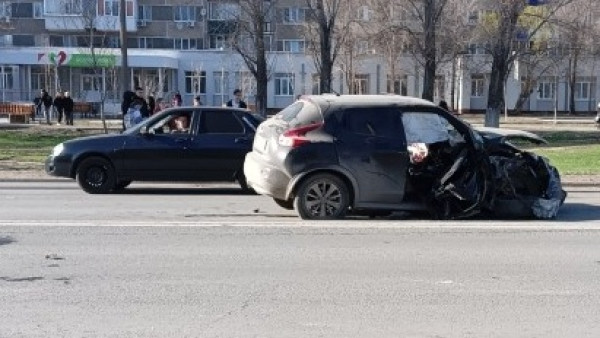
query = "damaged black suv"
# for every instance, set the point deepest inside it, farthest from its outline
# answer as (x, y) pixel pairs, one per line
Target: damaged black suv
(329, 155)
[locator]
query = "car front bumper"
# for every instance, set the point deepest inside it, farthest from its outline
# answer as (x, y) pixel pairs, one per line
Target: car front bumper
(58, 166)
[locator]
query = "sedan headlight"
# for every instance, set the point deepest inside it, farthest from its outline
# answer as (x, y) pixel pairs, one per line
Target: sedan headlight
(58, 149)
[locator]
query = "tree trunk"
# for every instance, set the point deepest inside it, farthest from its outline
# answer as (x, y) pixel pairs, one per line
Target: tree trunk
(496, 88)
(430, 51)
(261, 86)
(572, 81)
(326, 61)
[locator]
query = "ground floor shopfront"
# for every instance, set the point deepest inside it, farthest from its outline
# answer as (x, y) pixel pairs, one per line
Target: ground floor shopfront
(213, 75)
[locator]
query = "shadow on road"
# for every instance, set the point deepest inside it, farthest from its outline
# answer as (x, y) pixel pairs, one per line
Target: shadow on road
(185, 191)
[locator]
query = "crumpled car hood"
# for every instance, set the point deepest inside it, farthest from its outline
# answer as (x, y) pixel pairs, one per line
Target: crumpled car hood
(503, 135)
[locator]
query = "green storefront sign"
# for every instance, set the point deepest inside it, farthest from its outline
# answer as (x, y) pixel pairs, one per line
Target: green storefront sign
(89, 60)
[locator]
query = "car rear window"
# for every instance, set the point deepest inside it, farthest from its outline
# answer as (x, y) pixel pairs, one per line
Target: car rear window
(300, 113)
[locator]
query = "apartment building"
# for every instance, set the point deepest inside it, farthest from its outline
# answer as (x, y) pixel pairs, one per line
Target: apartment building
(183, 45)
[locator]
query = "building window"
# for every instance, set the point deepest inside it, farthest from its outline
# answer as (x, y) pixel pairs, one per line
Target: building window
(6, 78)
(5, 9)
(360, 84)
(583, 89)
(185, 44)
(397, 85)
(217, 41)
(221, 83)
(195, 82)
(223, 11)
(40, 79)
(292, 46)
(90, 81)
(364, 13)
(293, 15)
(547, 88)
(184, 13)
(144, 13)
(38, 10)
(477, 85)
(284, 84)
(72, 6)
(316, 84)
(6, 40)
(111, 7)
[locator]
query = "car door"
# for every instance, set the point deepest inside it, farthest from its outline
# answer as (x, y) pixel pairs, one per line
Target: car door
(160, 150)
(220, 145)
(371, 146)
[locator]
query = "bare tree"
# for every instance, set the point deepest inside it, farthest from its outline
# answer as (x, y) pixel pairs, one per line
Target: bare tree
(499, 27)
(325, 34)
(250, 43)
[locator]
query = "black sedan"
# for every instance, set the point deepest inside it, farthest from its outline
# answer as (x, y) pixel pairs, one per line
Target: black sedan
(187, 144)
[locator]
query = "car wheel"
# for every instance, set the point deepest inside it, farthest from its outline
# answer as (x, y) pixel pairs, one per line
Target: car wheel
(122, 185)
(286, 204)
(96, 175)
(322, 197)
(241, 179)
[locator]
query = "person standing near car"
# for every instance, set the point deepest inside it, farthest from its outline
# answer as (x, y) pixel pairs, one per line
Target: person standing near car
(138, 101)
(127, 99)
(59, 107)
(68, 106)
(177, 101)
(46, 105)
(237, 101)
(197, 101)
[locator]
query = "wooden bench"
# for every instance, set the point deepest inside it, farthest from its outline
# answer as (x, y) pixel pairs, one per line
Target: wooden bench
(18, 112)
(83, 108)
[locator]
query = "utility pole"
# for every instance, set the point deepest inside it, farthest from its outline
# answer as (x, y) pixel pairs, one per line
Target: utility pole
(123, 37)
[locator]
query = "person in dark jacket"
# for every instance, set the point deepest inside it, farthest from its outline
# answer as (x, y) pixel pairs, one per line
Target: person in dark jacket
(138, 100)
(151, 104)
(68, 106)
(237, 101)
(46, 105)
(59, 107)
(127, 100)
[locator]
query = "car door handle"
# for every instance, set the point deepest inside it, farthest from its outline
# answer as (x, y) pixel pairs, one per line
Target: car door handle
(242, 140)
(180, 140)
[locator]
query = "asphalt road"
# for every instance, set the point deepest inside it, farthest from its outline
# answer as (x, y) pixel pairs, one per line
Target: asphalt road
(180, 261)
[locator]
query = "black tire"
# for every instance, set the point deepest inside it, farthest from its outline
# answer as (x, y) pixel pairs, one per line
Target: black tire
(286, 204)
(96, 175)
(241, 179)
(322, 197)
(121, 185)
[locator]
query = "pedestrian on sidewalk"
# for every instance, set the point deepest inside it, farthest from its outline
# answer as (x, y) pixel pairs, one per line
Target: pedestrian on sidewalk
(68, 106)
(58, 104)
(46, 105)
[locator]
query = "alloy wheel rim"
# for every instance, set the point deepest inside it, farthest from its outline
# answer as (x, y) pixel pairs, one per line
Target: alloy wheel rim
(96, 176)
(323, 199)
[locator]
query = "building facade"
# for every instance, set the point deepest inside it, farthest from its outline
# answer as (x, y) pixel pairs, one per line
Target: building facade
(183, 46)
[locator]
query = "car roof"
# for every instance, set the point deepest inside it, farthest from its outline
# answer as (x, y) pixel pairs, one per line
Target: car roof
(366, 100)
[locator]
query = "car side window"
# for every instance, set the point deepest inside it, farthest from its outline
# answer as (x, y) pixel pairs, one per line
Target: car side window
(380, 122)
(175, 123)
(425, 127)
(220, 122)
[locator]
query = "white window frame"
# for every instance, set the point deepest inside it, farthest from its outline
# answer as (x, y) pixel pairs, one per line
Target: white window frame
(316, 84)
(7, 77)
(221, 82)
(110, 6)
(547, 88)
(92, 80)
(293, 45)
(185, 44)
(38, 10)
(184, 13)
(398, 82)
(5, 9)
(583, 89)
(361, 84)
(293, 15)
(477, 86)
(217, 41)
(196, 78)
(6, 40)
(73, 7)
(284, 84)
(144, 13)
